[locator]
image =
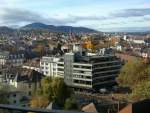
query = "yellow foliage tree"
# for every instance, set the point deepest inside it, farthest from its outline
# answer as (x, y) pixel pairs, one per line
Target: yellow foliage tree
(39, 102)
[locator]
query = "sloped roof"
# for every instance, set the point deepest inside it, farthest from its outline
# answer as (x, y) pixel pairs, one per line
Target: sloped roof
(52, 106)
(90, 108)
(137, 107)
(21, 74)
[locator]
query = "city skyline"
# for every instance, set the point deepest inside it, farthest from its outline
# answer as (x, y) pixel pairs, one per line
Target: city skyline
(105, 15)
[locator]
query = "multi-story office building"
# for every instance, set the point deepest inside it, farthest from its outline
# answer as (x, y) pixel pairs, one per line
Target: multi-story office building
(87, 71)
(91, 72)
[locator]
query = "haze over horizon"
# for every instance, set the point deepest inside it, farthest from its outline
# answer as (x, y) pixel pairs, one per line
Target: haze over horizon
(105, 15)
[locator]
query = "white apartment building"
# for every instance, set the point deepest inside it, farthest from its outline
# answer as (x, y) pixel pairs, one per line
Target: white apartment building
(49, 66)
(138, 41)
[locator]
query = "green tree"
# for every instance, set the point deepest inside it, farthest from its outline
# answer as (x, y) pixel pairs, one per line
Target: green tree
(55, 90)
(70, 104)
(45, 87)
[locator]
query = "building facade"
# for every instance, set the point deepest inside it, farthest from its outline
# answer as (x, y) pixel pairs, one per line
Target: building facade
(87, 71)
(15, 59)
(26, 81)
(49, 66)
(91, 72)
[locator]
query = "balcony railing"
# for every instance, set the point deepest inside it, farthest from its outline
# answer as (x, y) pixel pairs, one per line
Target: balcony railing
(12, 108)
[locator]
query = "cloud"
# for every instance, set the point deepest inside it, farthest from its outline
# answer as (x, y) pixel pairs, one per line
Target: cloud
(146, 18)
(19, 16)
(131, 13)
(90, 17)
(12, 17)
(125, 29)
(114, 23)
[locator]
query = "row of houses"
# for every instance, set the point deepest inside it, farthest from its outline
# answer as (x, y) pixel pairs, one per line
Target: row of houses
(16, 59)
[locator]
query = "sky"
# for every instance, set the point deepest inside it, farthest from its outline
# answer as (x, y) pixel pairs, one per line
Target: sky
(102, 15)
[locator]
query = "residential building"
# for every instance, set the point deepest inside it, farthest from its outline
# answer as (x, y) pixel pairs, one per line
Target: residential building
(23, 80)
(14, 97)
(145, 53)
(60, 68)
(33, 64)
(139, 41)
(15, 59)
(17, 98)
(3, 57)
(48, 66)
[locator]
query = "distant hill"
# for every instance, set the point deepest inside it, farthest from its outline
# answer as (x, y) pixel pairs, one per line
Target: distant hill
(6, 30)
(53, 28)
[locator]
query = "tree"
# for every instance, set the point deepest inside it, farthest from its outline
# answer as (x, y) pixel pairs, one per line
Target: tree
(40, 49)
(133, 72)
(55, 90)
(136, 75)
(39, 102)
(141, 91)
(45, 87)
(70, 104)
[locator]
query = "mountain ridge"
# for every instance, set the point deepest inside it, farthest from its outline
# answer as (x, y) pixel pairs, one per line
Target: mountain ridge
(53, 28)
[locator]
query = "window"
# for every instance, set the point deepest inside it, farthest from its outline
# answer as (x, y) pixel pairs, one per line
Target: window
(14, 101)
(29, 85)
(14, 95)
(42, 67)
(46, 72)
(29, 93)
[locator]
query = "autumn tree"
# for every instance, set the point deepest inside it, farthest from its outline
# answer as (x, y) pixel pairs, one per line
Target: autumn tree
(55, 90)
(133, 72)
(141, 91)
(39, 102)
